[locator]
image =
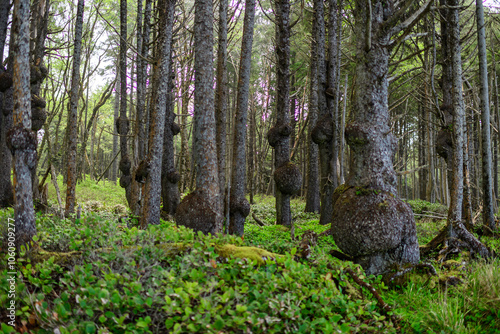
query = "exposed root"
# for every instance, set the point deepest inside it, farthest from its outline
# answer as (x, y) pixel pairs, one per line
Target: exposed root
(341, 256)
(435, 242)
(386, 308)
(427, 266)
(463, 239)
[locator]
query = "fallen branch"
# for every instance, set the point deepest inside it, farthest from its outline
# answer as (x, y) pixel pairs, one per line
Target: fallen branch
(257, 220)
(429, 216)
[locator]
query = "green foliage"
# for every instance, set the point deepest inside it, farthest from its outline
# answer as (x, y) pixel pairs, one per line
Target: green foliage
(420, 206)
(121, 280)
(93, 196)
(139, 290)
(471, 307)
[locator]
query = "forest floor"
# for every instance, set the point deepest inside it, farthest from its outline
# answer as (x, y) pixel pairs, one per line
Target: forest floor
(101, 274)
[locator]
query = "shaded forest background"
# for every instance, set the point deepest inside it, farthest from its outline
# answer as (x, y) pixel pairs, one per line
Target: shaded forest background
(412, 100)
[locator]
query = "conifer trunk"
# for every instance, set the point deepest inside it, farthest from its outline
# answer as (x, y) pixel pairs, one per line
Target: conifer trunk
(239, 207)
(370, 222)
(201, 210)
(21, 139)
(287, 176)
(122, 123)
(72, 131)
(152, 166)
(487, 182)
(221, 96)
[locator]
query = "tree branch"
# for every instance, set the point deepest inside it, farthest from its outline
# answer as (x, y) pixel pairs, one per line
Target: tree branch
(409, 22)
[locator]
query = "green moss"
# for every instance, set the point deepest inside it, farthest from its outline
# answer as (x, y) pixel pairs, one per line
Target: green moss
(340, 189)
(362, 191)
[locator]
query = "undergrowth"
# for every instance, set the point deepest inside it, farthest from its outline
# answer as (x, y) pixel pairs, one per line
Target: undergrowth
(121, 280)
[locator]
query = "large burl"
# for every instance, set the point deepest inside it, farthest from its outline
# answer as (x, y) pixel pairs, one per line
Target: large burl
(374, 227)
(370, 223)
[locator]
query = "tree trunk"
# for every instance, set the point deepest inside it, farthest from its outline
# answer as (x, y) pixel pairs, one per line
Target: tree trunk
(4, 20)
(455, 226)
(116, 111)
(312, 183)
(328, 123)
(252, 153)
(201, 210)
(488, 205)
(123, 125)
(21, 139)
(239, 207)
(370, 222)
(72, 131)
(221, 98)
(169, 176)
(6, 106)
(287, 176)
(141, 85)
(151, 168)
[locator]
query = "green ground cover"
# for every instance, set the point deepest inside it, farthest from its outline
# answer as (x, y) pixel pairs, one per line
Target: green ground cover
(101, 274)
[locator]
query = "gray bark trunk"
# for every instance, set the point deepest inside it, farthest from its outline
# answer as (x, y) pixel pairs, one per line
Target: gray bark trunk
(370, 222)
(221, 98)
(4, 20)
(287, 176)
(141, 86)
(201, 210)
(116, 111)
(153, 163)
(6, 106)
(312, 191)
(21, 139)
(123, 125)
(329, 117)
(455, 225)
(169, 176)
(239, 207)
(72, 131)
(488, 215)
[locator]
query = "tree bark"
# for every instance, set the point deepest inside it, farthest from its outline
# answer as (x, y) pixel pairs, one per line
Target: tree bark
(370, 222)
(201, 210)
(313, 175)
(72, 131)
(239, 207)
(141, 85)
(6, 193)
(221, 98)
(455, 227)
(487, 184)
(123, 125)
(152, 166)
(21, 139)
(4, 20)
(169, 176)
(287, 176)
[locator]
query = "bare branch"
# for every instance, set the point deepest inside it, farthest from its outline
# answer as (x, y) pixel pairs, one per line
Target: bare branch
(412, 20)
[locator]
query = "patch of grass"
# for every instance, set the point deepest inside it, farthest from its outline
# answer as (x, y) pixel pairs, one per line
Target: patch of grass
(420, 206)
(92, 196)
